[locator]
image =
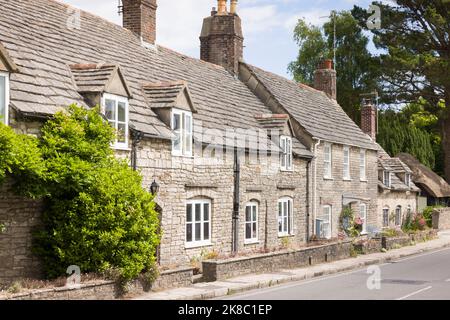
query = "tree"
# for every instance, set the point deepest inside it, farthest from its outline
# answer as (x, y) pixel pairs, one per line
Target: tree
(416, 63)
(397, 134)
(357, 69)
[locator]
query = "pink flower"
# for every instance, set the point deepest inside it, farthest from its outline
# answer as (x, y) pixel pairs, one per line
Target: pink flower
(358, 221)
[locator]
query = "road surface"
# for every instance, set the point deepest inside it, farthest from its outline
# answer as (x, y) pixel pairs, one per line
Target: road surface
(421, 277)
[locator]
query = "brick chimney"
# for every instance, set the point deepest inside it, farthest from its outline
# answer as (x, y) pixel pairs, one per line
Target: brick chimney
(139, 16)
(325, 79)
(369, 119)
(222, 41)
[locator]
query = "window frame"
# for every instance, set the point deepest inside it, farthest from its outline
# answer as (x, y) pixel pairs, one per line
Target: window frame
(202, 242)
(363, 217)
(387, 182)
(408, 180)
(362, 165)
(184, 135)
(346, 175)
(117, 99)
(385, 225)
(255, 239)
(5, 75)
(288, 230)
(398, 214)
(328, 161)
(330, 223)
(286, 154)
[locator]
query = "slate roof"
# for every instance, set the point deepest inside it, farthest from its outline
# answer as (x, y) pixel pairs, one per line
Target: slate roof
(36, 35)
(396, 167)
(321, 116)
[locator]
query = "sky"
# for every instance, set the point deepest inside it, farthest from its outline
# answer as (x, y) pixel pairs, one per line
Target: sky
(267, 25)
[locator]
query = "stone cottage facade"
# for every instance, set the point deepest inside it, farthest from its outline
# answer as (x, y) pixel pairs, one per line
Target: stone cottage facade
(246, 160)
(398, 196)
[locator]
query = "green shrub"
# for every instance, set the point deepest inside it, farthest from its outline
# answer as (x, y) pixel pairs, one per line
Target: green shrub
(428, 215)
(98, 216)
(21, 159)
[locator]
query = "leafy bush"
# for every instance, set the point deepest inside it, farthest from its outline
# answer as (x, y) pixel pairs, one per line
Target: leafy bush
(427, 214)
(98, 216)
(21, 159)
(391, 233)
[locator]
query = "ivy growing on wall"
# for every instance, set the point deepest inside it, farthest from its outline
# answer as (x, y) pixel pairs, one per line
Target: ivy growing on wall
(97, 215)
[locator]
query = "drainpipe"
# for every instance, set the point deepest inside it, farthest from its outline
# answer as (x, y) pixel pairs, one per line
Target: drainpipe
(236, 201)
(137, 137)
(315, 186)
(308, 202)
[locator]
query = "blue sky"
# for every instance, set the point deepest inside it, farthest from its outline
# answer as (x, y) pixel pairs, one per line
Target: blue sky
(268, 24)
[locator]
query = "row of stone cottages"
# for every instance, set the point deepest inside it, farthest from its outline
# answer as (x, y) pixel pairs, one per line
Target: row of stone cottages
(301, 159)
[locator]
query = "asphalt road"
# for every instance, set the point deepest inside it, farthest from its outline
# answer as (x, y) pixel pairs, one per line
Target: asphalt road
(420, 277)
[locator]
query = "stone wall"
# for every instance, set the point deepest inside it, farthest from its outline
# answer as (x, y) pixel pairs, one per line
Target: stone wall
(106, 290)
(214, 270)
(368, 246)
(441, 219)
(182, 179)
(333, 191)
(20, 216)
(390, 243)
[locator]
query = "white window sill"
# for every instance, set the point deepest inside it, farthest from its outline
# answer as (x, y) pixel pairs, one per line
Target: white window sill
(347, 179)
(250, 242)
(363, 180)
(287, 170)
(328, 178)
(194, 245)
(182, 156)
(121, 148)
(286, 235)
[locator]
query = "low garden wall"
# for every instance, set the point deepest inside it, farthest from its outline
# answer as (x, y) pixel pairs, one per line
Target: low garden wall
(441, 219)
(390, 243)
(214, 270)
(368, 246)
(106, 290)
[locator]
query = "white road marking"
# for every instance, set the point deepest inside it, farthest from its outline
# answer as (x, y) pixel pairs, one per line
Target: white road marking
(414, 293)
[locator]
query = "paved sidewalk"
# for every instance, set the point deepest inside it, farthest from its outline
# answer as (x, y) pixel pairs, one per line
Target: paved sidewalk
(210, 290)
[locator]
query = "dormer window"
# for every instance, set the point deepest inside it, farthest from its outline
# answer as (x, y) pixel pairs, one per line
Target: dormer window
(408, 179)
(182, 129)
(4, 97)
(116, 111)
(286, 153)
(387, 179)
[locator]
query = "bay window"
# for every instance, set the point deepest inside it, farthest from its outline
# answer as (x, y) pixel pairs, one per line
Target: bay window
(286, 153)
(251, 222)
(285, 217)
(346, 164)
(116, 111)
(4, 97)
(198, 223)
(327, 154)
(182, 127)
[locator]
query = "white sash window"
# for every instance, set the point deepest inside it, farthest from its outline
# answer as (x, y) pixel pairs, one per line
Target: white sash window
(4, 97)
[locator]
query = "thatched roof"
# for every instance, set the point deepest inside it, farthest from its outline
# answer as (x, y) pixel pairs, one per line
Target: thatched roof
(425, 177)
